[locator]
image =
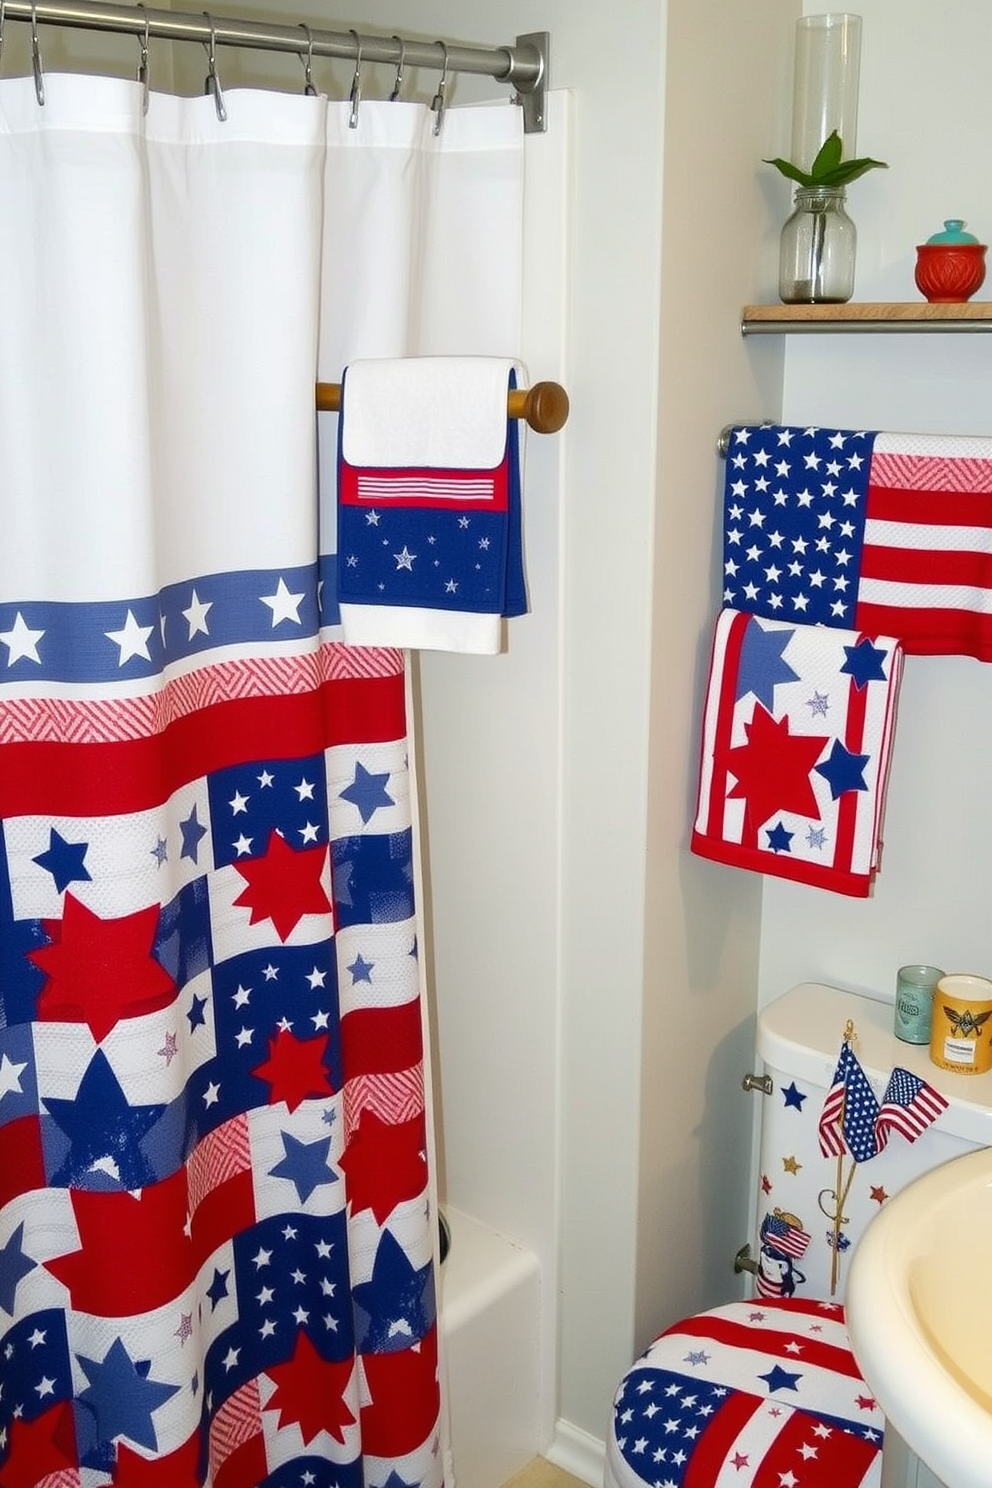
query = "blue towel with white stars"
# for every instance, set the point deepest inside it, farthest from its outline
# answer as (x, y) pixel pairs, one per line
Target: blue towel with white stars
(429, 514)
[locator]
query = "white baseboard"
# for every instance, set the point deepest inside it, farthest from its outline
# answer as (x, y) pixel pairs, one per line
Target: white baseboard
(578, 1453)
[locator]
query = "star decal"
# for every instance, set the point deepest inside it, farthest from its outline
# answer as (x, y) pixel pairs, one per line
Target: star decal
(14, 1266)
(844, 771)
(284, 605)
(367, 792)
(295, 1069)
(21, 641)
(772, 769)
(100, 971)
(794, 1097)
(64, 860)
(865, 663)
(192, 832)
(790, 1165)
(310, 1392)
(395, 1306)
(780, 1379)
(761, 666)
(284, 884)
(104, 1133)
(305, 1164)
(122, 1396)
(879, 1195)
(384, 1164)
(779, 839)
(132, 639)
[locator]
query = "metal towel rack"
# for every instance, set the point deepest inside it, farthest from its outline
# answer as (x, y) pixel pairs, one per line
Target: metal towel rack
(523, 66)
(544, 406)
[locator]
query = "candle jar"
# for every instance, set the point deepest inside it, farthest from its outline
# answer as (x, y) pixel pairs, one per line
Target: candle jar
(817, 249)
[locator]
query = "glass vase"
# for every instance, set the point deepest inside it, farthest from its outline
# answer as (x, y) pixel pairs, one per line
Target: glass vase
(818, 247)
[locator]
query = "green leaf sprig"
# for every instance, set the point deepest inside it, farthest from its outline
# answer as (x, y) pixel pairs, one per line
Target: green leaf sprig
(829, 168)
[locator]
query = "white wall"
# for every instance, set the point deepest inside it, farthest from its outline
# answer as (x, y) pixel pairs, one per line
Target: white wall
(926, 108)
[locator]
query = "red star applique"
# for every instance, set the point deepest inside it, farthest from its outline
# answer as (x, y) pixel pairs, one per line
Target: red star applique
(879, 1195)
(295, 1069)
(739, 1460)
(310, 1392)
(773, 769)
(39, 1448)
(100, 971)
(766, 1183)
(384, 1164)
(284, 885)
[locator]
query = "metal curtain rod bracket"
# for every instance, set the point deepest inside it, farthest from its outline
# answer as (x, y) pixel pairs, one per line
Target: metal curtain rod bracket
(523, 66)
(544, 406)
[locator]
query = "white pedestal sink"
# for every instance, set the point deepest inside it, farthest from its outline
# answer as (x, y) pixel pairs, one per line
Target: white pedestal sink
(919, 1311)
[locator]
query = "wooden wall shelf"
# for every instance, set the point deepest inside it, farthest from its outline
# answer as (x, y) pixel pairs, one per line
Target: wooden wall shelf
(862, 316)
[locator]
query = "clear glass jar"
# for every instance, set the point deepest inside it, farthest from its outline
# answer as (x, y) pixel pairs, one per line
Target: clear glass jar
(818, 247)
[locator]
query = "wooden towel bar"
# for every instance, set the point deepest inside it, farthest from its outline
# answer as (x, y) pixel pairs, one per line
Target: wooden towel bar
(544, 406)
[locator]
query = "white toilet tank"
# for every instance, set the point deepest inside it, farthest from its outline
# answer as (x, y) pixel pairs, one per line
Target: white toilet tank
(810, 1209)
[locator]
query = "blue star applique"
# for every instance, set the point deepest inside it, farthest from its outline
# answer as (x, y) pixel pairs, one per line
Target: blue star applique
(361, 970)
(780, 1379)
(305, 1164)
(64, 860)
(367, 792)
(197, 1017)
(843, 771)
(193, 833)
(794, 1097)
(217, 1290)
(865, 663)
(14, 1266)
(762, 667)
(779, 840)
(105, 1133)
(122, 1397)
(395, 1307)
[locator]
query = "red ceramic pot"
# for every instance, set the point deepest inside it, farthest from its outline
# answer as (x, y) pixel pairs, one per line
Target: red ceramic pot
(950, 273)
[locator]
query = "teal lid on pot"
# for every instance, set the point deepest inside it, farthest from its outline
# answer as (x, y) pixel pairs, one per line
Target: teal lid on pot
(953, 233)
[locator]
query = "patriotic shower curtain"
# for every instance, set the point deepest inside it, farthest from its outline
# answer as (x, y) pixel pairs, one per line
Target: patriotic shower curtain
(216, 1216)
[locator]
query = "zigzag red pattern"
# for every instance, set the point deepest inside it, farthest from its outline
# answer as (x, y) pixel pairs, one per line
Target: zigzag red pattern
(47, 720)
(236, 1422)
(931, 473)
(218, 1156)
(394, 1097)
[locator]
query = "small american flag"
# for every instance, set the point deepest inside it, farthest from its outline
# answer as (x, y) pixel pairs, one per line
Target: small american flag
(887, 533)
(785, 1233)
(909, 1105)
(847, 1121)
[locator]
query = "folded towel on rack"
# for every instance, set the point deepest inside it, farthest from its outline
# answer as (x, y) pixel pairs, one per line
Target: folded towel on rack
(429, 522)
(797, 735)
(881, 532)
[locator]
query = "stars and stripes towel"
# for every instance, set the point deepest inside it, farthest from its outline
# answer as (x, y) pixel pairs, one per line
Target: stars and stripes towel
(429, 526)
(869, 531)
(797, 732)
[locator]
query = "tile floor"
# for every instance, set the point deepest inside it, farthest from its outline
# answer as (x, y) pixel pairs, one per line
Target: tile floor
(541, 1474)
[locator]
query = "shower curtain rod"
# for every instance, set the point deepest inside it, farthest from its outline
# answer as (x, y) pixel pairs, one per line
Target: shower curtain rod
(523, 66)
(544, 406)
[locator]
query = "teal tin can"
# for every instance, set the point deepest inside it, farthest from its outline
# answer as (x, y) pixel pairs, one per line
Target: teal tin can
(915, 986)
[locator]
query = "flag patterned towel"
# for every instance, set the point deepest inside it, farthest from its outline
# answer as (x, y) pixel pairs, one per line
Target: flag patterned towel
(886, 533)
(797, 733)
(429, 539)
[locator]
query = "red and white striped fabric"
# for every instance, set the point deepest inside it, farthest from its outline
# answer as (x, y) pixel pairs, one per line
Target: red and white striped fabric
(926, 566)
(797, 733)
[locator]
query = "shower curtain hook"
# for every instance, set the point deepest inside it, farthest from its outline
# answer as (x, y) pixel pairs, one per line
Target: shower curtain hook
(398, 79)
(437, 102)
(143, 63)
(309, 91)
(356, 83)
(39, 76)
(212, 83)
